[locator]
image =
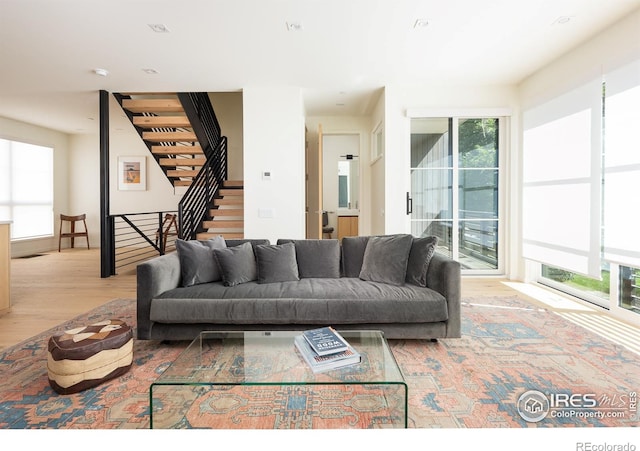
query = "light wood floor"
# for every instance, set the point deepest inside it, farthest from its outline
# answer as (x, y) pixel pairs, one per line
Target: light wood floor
(56, 287)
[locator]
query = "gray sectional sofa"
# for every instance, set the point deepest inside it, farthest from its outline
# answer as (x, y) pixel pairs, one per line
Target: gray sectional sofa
(393, 283)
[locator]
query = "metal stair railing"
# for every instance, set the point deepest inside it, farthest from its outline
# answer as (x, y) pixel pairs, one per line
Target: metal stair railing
(194, 207)
(195, 204)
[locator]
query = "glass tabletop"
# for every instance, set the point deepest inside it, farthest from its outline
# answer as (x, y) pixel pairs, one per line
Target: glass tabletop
(270, 357)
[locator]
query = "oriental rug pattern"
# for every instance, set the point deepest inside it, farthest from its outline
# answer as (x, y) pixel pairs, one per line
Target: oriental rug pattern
(509, 347)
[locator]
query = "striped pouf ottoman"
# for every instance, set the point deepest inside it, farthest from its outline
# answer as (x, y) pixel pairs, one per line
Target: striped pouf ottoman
(85, 357)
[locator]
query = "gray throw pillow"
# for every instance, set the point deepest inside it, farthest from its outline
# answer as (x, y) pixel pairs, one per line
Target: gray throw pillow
(237, 264)
(197, 262)
(420, 256)
(317, 258)
(353, 248)
(385, 259)
(276, 263)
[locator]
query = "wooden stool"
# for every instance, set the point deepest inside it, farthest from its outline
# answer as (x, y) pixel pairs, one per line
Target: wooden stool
(165, 230)
(72, 233)
(85, 357)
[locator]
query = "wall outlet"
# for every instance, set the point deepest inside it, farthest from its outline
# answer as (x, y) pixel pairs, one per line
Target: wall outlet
(266, 213)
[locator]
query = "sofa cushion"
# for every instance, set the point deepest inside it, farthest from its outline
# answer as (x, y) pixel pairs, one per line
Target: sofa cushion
(276, 263)
(197, 262)
(237, 264)
(307, 301)
(353, 248)
(317, 258)
(422, 251)
(385, 259)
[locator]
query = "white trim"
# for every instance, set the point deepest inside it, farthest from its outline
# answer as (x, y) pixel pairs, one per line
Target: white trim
(459, 112)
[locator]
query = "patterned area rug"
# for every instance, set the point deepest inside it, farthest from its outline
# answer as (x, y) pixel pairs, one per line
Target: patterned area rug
(516, 366)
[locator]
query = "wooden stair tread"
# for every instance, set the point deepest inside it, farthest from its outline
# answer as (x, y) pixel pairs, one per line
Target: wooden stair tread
(215, 212)
(228, 201)
(169, 136)
(152, 105)
(182, 183)
(173, 162)
(223, 224)
(231, 192)
(233, 183)
(177, 150)
(162, 121)
(182, 173)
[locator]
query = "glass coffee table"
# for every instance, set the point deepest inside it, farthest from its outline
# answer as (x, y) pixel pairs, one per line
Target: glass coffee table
(258, 380)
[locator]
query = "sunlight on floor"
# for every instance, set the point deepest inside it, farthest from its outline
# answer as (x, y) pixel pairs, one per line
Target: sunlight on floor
(555, 301)
(591, 319)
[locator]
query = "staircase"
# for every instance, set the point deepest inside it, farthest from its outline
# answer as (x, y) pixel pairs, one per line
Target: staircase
(166, 130)
(227, 212)
(166, 127)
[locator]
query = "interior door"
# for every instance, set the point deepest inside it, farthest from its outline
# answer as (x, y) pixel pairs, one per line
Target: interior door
(319, 162)
(314, 188)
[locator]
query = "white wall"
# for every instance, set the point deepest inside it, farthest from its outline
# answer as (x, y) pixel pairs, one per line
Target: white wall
(228, 109)
(21, 131)
(84, 186)
(274, 141)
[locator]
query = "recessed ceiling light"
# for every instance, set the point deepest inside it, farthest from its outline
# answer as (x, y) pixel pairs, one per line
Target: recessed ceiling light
(158, 27)
(562, 20)
(101, 72)
(421, 23)
(150, 71)
(294, 26)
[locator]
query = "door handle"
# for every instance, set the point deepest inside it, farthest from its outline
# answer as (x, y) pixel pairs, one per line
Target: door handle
(409, 204)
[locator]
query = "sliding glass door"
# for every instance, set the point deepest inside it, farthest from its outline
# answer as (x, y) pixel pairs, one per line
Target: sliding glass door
(455, 188)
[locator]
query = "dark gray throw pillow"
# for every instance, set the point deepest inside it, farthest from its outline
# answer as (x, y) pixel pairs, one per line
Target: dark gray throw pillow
(237, 264)
(353, 248)
(277, 263)
(420, 256)
(197, 262)
(317, 258)
(385, 259)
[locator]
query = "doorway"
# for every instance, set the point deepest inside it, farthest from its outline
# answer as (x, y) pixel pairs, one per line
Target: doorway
(333, 184)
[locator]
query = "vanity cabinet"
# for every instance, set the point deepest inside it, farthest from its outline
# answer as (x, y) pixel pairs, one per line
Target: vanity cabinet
(347, 226)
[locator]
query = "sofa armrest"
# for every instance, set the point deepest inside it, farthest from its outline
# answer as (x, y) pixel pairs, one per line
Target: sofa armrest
(154, 276)
(444, 276)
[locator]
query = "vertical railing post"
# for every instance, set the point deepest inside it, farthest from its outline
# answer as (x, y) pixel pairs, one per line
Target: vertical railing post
(160, 234)
(107, 239)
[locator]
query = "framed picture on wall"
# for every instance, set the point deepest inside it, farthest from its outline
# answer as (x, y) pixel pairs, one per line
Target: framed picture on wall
(132, 174)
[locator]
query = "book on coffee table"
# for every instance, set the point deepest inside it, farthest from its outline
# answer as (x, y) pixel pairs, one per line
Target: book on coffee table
(320, 363)
(325, 340)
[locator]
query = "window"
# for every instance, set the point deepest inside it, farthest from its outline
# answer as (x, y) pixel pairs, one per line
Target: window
(614, 245)
(26, 188)
(454, 187)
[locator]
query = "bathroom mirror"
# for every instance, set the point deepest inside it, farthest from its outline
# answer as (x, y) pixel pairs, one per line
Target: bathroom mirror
(348, 173)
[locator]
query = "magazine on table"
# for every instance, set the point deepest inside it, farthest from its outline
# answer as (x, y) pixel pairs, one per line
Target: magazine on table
(319, 363)
(325, 340)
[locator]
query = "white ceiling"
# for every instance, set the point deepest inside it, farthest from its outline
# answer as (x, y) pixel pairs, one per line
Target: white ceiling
(345, 52)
